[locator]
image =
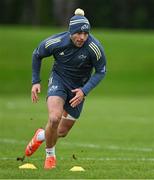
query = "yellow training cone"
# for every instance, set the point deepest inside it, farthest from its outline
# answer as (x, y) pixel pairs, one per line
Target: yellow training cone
(77, 168)
(27, 166)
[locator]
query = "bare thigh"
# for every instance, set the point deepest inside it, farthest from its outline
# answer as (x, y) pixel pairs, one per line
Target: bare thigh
(64, 126)
(55, 106)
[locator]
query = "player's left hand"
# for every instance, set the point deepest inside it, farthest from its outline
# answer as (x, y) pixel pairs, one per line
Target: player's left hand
(78, 98)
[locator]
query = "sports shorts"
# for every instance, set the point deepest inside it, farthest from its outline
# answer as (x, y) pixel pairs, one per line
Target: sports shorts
(56, 87)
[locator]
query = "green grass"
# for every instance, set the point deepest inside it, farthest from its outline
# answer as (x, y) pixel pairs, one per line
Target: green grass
(112, 139)
(114, 136)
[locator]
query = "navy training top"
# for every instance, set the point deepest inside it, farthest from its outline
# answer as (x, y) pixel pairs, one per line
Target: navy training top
(73, 64)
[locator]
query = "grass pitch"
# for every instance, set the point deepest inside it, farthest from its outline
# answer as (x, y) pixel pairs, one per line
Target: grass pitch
(114, 136)
(112, 139)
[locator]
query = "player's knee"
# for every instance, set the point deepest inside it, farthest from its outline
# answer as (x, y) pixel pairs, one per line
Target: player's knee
(62, 132)
(54, 120)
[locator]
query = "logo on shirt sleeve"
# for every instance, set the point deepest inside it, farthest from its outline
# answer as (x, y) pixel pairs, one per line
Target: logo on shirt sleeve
(61, 54)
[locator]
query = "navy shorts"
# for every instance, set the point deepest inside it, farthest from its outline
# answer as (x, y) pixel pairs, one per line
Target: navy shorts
(56, 87)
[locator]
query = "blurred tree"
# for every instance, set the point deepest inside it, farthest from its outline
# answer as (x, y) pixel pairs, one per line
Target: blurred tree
(98, 12)
(101, 13)
(121, 9)
(27, 12)
(10, 11)
(43, 12)
(63, 10)
(120, 13)
(36, 12)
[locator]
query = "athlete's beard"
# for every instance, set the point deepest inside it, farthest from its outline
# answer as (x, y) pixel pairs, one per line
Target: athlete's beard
(79, 43)
(79, 40)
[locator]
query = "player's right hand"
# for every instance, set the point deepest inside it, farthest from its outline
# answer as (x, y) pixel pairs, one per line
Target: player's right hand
(36, 88)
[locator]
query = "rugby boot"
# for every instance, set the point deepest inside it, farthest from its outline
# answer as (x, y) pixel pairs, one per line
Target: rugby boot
(34, 144)
(50, 162)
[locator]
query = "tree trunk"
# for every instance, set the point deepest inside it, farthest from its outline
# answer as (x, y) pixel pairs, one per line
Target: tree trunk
(64, 10)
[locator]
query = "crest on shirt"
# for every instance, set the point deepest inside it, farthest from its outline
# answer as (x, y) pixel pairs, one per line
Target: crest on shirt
(82, 56)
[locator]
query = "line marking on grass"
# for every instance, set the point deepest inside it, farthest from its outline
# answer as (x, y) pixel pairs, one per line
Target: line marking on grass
(117, 159)
(12, 141)
(142, 159)
(109, 147)
(86, 145)
(112, 147)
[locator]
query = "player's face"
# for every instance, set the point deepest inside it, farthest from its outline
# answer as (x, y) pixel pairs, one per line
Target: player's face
(79, 38)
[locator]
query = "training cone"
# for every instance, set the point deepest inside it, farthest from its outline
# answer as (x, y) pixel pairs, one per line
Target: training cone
(27, 166)
(77, 168)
